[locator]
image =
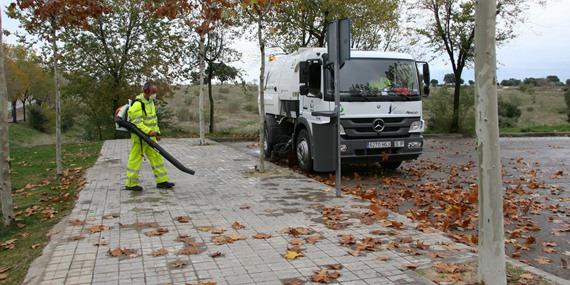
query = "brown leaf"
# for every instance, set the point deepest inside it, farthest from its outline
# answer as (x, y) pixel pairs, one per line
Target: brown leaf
(4, 269)
(294, 281)
(156, 232)
(218, 231)
(237, 226)
(262, 236)
(77, 222)
(336, 266)
(245, 207)
(325, 276)
(216, 254)
(189, 250)
(183, 219)
(36, 245)
(110, 216)
(314, 238)
(543, 260)
(75, 238)
(296, 242)
(383, 258)
(236, 237)
(159, 252)
(549, 244)
(205, 228)
(527, 276)
(9, 244)
(564, 263)
(410, 266)
(177, 264)
(98, 228)
(115, 252)
(101, 243)
(3, 276)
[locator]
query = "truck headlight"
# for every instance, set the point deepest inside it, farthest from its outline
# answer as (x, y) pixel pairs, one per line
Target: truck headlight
(342, 132)
(417, 126)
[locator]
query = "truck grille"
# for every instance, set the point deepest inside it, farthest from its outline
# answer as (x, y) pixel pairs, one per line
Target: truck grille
(358, 128)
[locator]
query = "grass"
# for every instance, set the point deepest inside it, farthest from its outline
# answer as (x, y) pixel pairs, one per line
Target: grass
(23, 135)
(34, 185)
(539, 129)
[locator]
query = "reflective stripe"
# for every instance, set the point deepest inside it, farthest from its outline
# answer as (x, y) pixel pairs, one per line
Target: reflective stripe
(132, 170)
(158, 166)
(150, 124)
(160, 174)
(136, 121)
(133, 180)
(149, 117)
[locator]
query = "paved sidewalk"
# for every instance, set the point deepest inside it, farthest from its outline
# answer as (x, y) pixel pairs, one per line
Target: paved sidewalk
(221, 193)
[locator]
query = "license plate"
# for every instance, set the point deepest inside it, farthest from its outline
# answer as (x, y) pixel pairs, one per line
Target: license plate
(379, 144)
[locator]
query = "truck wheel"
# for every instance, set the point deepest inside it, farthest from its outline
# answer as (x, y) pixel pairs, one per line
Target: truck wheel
(303, 151)
(392, 165)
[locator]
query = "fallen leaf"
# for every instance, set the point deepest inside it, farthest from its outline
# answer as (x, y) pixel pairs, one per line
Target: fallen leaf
(236, 237)
(75, 238)
(245, 207)
(236, 225)
(156, 232)
(9, 244)
(293, 254)
(3, 276)
(325, 276)
(296, 242)
(110, 216)
(410, 266)
(101, 243)
(262, 236)
(527, 276)
(34, 246)
(4, 269)
(159, 252)
(189, 250)
(543, 260)
(564, 263)
(336, 266)
(313, 238)
(216, 254)
(294, 281)
(178, 264)
(205, 228)
(77, 222)
(383, 258)
(183, 219)
(115, 252)
(98, 228)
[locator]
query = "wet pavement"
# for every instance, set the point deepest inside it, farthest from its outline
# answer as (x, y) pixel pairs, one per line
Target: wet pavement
(536, 174)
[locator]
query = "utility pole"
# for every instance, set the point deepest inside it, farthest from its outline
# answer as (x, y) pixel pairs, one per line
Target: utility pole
(491, 257)
(5, 185)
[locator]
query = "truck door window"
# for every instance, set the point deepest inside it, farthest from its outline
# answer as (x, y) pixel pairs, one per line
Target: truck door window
(315, 79)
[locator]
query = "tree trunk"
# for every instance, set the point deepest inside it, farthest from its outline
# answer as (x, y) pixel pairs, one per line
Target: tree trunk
(491, 257)
(456, 94)
(24, 108)
(211, 101)
(14, 111)
(5, 183)
(201, 98)
(59, 168)
(261, 95)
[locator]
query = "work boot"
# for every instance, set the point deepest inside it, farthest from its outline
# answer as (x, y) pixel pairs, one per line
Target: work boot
(134, 188)
(165, 185)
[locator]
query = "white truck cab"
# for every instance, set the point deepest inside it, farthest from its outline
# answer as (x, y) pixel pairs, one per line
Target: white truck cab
(381, 108)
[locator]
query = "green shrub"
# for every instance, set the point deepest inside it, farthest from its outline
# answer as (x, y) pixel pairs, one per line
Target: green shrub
(509, 114)
(224, 90)
(233, 106)
(251, 107)
(530, 109)
(188, 100)
(184, 115)
(37, 118)
(439, 110)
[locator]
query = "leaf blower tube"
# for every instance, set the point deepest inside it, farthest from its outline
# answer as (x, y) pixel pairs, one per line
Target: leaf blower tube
(133, 129)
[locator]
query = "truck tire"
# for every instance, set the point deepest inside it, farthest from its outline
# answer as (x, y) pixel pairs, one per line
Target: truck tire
(303, 151)
(391, 165)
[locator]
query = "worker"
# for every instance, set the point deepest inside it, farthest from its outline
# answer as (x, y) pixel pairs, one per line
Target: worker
(142, 113)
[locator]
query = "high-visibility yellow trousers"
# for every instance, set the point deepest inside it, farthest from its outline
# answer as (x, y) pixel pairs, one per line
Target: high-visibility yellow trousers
(135, 162)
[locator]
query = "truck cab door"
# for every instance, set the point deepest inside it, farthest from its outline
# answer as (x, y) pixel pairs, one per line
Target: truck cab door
(311, 98)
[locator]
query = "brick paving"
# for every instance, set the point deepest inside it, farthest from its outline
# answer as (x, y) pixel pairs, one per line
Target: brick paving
(222, 191)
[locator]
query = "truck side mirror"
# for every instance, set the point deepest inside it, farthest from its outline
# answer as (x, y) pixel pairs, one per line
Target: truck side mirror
(304, 90)
(427, 78)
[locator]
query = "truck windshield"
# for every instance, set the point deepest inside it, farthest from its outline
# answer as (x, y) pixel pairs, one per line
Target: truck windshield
(377, 80)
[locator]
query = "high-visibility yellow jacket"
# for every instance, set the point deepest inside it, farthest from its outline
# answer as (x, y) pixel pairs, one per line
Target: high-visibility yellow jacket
(145, 123)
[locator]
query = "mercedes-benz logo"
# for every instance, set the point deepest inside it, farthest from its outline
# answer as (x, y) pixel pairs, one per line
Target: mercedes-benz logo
(378, 125)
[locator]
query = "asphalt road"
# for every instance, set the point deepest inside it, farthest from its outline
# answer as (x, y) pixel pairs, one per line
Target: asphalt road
(535, 170)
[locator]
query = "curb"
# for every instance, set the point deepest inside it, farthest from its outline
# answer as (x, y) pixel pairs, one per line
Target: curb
(539, 272)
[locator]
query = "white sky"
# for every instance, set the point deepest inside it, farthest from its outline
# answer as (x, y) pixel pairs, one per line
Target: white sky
(542, 47)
